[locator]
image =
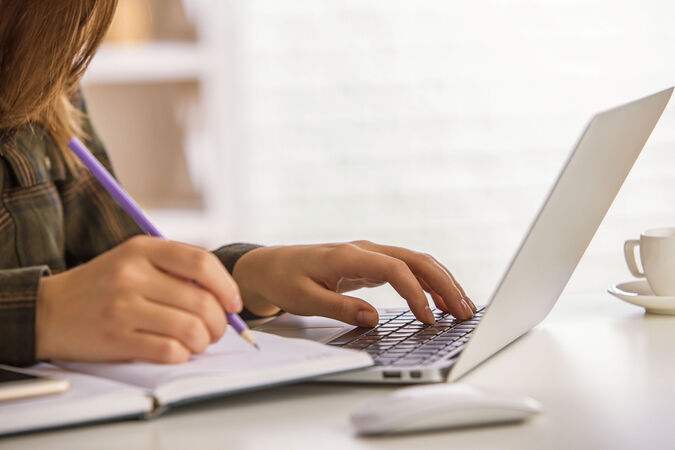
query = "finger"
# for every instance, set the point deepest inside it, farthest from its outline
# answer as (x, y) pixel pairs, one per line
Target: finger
(187, 328)
(438, 301)
(168, 290)
(155, 348)
(470, 308)
(434, 274)
(466, 297)
(351, 261)
(352, 310)
(193, 263)
(441, 283)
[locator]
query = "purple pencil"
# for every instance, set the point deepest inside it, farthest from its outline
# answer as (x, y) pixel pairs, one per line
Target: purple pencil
(132, 208)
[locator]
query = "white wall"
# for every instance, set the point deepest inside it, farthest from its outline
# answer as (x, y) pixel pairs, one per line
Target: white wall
(440, 125)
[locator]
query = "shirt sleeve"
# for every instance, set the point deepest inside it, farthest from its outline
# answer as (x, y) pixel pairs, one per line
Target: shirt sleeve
(18, 293)
(230, 254)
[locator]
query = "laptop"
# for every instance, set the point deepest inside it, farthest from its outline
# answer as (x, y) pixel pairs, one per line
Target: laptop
(407, 351)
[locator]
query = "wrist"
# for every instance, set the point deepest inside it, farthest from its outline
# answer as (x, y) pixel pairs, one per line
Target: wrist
(43, 316)
(247, 273)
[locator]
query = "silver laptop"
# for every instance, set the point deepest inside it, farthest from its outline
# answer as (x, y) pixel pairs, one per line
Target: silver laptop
(407, 351)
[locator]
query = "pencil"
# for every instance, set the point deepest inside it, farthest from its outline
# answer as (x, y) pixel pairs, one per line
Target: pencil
(132, 208)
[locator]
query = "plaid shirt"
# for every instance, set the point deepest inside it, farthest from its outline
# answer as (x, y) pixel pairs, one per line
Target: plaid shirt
(52, 218)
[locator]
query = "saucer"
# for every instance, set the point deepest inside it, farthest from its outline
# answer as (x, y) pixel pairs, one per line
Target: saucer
(640, 294)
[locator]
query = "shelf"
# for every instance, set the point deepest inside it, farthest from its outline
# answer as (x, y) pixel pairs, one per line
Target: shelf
(155, 93)
(147, 62)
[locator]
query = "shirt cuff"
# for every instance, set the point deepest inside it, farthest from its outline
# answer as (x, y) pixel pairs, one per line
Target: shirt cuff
(18, 294)
(230, 254)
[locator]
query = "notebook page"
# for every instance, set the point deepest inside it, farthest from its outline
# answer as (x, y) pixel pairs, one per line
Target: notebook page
(232, 364)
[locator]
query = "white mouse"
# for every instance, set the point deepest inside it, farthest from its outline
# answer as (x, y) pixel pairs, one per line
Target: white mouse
(440, 406)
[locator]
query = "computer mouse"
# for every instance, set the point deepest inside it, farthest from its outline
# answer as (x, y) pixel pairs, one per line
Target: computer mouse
(440, 406)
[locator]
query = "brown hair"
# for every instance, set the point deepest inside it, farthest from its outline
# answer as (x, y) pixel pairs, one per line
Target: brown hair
(45, 47)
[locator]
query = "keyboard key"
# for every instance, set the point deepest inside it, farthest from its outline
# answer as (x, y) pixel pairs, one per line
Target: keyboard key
(378, 332)
(399, 350)
(379, 348)
(407, 331)
(401, 323)
(447, 337)
(406, 346)
(390, 339)
(385, 326)
(400, 338)
(445, 345)
(435, 346)
(447, 340)
(456, 333)
(417, 339)
(404, 331)
(369, 337)
(409, 341)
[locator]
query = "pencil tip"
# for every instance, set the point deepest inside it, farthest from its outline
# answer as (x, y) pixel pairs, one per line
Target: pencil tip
(248, 337)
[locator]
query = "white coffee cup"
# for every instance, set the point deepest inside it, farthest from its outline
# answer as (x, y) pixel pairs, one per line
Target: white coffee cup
(657, 254)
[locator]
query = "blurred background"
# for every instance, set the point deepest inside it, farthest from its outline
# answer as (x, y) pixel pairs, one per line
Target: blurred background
(437, 125)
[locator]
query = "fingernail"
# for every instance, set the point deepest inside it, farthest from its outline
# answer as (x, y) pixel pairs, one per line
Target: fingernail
(429, 315)
(366, 318)
(467, 309)
(471, 304)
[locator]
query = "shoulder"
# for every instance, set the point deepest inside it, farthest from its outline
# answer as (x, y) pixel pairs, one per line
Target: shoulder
(29, 156)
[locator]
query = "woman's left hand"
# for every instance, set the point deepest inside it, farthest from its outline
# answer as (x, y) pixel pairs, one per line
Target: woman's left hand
(310, 279)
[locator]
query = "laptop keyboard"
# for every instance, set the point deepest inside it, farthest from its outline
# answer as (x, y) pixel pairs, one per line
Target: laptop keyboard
(401, 340)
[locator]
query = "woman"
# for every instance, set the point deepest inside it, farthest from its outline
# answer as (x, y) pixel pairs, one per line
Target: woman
(79, 281)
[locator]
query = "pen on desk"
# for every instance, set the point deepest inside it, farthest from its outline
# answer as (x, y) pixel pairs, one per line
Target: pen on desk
(132, 208)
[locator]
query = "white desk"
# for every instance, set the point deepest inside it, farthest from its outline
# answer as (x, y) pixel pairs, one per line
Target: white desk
(604, 371)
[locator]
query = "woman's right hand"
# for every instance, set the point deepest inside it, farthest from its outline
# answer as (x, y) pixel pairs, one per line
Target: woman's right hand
(136, 301)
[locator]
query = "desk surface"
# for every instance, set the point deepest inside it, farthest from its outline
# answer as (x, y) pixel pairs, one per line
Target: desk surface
(603, 370)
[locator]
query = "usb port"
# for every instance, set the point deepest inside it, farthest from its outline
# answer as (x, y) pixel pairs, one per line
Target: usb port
(415, 374)
(390, 374)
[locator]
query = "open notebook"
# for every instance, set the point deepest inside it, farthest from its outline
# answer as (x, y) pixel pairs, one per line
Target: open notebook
(103, 392)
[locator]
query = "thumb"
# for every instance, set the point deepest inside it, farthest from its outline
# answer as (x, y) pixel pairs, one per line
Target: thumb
(345, 308)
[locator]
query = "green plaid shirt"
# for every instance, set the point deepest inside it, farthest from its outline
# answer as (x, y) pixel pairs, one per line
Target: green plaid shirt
(52, 218)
